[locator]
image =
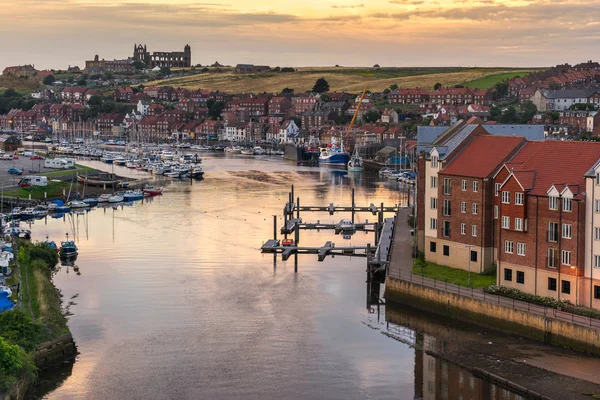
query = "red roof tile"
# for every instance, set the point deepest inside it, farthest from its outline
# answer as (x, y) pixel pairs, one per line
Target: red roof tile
(483, 155)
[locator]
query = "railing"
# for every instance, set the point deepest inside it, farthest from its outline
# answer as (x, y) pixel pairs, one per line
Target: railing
(479, 294)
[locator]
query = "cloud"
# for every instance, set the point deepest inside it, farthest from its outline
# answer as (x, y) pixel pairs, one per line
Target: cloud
(355, 6)
(407, 2)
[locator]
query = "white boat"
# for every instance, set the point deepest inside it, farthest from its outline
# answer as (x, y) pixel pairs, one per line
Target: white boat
(248, 152)
(5, 289)
(52, 207)
(104, 198)
(356, 163)
(119, 161)
(16, 212)
(258, 150)
(28, 212)
(115, 199)
(78, 204)
(235, 150)
(172, 174)
(40, 211)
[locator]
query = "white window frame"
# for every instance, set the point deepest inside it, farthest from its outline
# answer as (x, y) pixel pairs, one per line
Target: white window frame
(445, 208)
(567, 231)
(497, 188)
(597, 206)
(433, 203)
(521, 249)
(596, 233)
(448, 186)
(463, 229)
(551, 257)
(519, 198)
(505, 222)
(463, 185)
(567, 204)
(474, 208)
(495, 212)
(553, 203)
(565, 257)
(433, 223)
(505, 197)
(474, 230)
(596, 260)
(433, 182)
(475, 186)
(518, 224)
(509, 246)
(554, 239)
(463, 207)
(434, 161)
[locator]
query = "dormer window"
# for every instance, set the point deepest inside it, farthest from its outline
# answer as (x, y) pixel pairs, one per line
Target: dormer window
(434, 161)
(553, 203)
(567, 204)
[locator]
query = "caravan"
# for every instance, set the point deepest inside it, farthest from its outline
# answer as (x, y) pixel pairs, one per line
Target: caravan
(32, 180)
(59, 163)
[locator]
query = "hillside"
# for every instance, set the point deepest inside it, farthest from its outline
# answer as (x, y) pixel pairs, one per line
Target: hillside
(340, 79)
(22, 86)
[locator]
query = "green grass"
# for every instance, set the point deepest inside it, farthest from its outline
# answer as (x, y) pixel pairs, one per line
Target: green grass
(65, 172)
(453, 275)
(491, 80)
(54, 189)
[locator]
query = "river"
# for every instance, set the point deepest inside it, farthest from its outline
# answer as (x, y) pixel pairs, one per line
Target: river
(174, 300)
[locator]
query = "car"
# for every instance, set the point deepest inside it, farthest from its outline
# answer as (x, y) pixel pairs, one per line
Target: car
(36, 157)
(6, 157)
(15, 171)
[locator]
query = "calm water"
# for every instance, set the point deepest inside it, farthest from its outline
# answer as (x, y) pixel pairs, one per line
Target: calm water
(175, 301)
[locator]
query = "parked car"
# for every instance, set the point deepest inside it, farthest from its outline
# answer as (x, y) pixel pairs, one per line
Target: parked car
(6, 156)
(15, 171)
(36, 157)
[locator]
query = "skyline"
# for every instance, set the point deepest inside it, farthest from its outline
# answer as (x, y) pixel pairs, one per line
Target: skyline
(391, 33)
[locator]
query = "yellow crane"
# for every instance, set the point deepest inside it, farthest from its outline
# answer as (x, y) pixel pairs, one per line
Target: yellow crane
(356, 164)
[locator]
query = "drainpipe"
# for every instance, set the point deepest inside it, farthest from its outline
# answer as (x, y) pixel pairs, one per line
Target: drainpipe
(500, 248)
(592, 237)
(482, 231)
(578, 262)
(559, 234)
(537, 226)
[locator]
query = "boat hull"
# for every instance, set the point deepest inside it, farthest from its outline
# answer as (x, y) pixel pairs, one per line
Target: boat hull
(335, 160)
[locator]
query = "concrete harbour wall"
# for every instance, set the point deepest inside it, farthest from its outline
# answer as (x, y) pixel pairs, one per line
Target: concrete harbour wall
(495, 316)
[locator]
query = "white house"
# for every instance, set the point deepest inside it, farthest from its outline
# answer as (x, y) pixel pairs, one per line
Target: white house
(288, 131)
(142, 107)
(558, 100)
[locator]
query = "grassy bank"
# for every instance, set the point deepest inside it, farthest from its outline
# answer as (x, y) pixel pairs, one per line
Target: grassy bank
(54, 189)
(453, 275)
(40, 317)
(491, 80)
(79, 169)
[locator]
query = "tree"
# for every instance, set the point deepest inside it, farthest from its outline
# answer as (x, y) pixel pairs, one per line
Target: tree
(321, 86)
(528, 110)
(555, 116)
(139, 65)
(287, 90)
(495, 113)
(288, 69)
(95, 101)
(386, 91)
(371, 116)
(165, 71)
(277, 69)
(437, 86)
(17, 328)
(459, 86)
(215, 108)
(49, 80)
(324, 97)
(509, 116)
(554, 86)
(82, 82)
(501, 90)
(108, 76)
(10, 92)
(393, 86)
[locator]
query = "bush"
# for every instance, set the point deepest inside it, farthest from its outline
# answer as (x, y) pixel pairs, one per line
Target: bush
(15, 363)
(43, 253)
(491, 271)
(17, 328)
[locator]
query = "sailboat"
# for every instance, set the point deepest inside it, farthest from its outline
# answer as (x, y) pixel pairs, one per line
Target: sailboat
(356, 162)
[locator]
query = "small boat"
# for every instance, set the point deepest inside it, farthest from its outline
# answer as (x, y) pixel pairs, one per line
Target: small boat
(52, 207)
(28, 213)
(104, 198)
(248, 152)
(132, 195)
(51, 245)
(119, 161)
(78, 204)
(152, 191)
(356, 163)
(172, 174)
(287, 242)
(63, 208)
(258, 150)
(5, 289)
(196, 173)
(68, 249)
(115, 199)
(16, 212)
(40, 211)
(90, 201)
(108, 159)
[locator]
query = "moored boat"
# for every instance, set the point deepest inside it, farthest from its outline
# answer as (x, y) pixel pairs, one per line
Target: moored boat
(132, 195)
(68, 248)
(152, 191)
(115, 199)
(78, 204)
(104, 198)
(196, 173)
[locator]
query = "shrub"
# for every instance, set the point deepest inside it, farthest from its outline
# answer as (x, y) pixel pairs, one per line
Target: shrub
(17, 328)
(15, 363)
(44, 253)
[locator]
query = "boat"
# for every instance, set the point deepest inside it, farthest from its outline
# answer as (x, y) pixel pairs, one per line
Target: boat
(90, 201)
(196, 173)
(40, 211)
(63, 208)
(78, 204)
(51, 244)
(258, 150)
(132, 195)
(172, 174)
(27, 213)
(152, 191)
(287, 242)
(115, 199)
(334, 156)
(120, 161)
(356, 163)
(5, 289)
(68, 248)
(103, 198)
(248, 152)
(16, 212)
(107, 159)
(52, 207)
(96, 182)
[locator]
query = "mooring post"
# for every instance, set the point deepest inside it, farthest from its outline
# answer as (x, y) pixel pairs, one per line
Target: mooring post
(296, 263)
(381, 215)
(274, 227)
(292, 194)
(296, 235)
(353, 205)
(298, 207)
(376, 233)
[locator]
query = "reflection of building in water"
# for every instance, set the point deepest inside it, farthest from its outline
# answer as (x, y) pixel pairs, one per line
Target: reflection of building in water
(436, 379)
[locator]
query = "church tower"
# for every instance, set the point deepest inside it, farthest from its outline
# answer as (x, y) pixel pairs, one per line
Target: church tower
(187, 56)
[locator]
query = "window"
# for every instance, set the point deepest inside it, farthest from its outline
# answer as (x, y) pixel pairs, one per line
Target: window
(552, 258)
(553, 203)
(446, 251)
(473, 256)
(506, 197)
(474, 208)
(567, 204)
(434, 161)
(447, 186)
(463, 207)
(597, 206)
(463, 229)
(508, 274)
(566, 287)
(474, 230)
(497, 188)
(475, 186)
(495, 212)
(433, 223)
(596, 261)
(519, 197)
(597, 178)
(521, 249)
(597, 292)
(566, 231)
(463, 185)
(520, 277)
(505, 222)
(552, 232)
(446, 228)
(565, 257)
(508, 246)
(552, 284)
(518, 224)
(433, 182)
(433, 202)
(447, 209)
(432, 247)
(596, 233)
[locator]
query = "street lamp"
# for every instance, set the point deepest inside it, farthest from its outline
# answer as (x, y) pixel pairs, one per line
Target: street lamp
(469, 246)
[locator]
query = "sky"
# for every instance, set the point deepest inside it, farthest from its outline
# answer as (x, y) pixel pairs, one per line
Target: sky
(519, 33)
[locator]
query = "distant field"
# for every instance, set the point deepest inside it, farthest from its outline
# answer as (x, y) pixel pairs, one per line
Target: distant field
(340, 79)
(22, 86)
(491, 80)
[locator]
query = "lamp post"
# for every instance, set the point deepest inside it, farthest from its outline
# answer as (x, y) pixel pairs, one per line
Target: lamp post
(469, 246)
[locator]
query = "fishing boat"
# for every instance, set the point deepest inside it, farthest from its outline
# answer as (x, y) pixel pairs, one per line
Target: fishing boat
(115, 199)
(68, 248)
(197, 173)
(132, 195)
(104, 198)
(78, 204)
(356, 163)
(333, 156)
(108, 159)
(51, 245)
(152, 191)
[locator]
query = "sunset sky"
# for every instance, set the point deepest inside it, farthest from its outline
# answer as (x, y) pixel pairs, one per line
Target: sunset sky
(56, 33)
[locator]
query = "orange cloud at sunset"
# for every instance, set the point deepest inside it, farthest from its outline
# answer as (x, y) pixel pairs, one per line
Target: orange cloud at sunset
(54, 33)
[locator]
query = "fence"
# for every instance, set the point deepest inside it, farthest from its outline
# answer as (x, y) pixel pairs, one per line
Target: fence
(479, 294)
